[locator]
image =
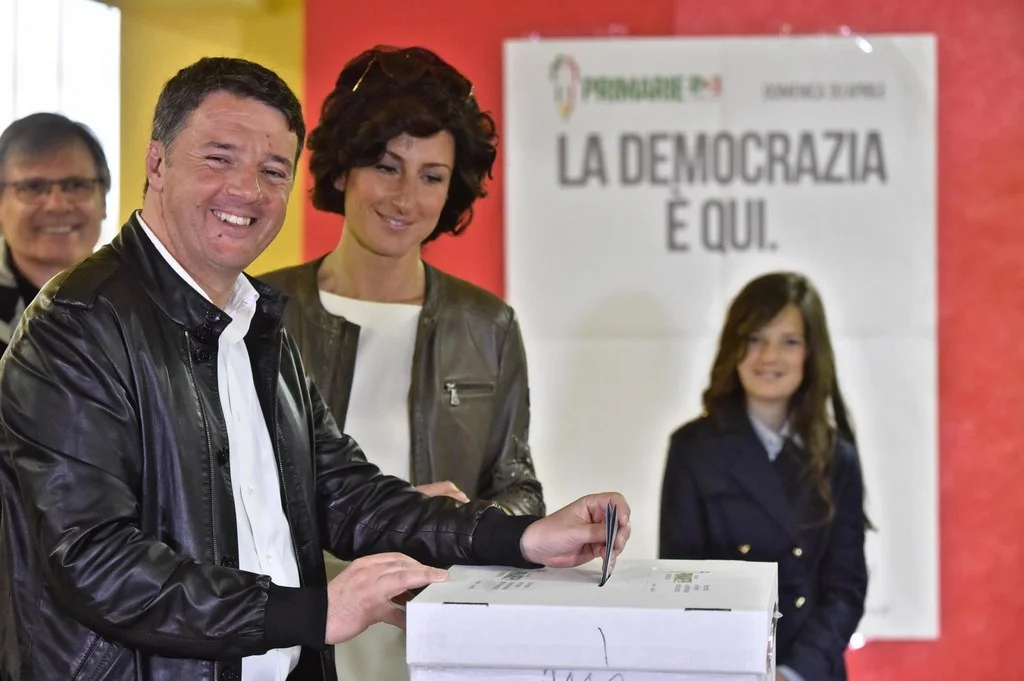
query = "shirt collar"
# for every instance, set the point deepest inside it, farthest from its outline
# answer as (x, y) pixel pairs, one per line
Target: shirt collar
(241, 305)
(772, 440)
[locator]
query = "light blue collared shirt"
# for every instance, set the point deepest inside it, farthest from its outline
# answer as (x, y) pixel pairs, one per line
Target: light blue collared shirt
(773, 440)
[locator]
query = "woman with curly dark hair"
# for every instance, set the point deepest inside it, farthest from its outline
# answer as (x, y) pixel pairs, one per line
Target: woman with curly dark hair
(426, 371)
(770, 473)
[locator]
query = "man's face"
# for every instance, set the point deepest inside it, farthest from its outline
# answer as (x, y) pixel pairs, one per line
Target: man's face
(50, 227)
(223, 185)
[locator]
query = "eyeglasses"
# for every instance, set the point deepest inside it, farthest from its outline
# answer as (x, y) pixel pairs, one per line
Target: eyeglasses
(36, 189)
(410, 64)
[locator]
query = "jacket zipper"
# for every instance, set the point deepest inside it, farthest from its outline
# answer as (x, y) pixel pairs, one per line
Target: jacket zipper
(453, 388)
(209, 454)
(284, 488)
(88, 654)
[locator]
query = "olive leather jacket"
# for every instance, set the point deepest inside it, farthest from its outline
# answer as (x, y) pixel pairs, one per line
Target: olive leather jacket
(469, 404)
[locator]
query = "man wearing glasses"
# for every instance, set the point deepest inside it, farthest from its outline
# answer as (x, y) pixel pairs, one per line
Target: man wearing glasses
(54, 181)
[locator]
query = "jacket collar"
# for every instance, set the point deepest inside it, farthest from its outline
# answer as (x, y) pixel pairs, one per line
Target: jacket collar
(6, 275)
(307, 293)
(747, 462)
(11, 298)
(174, 296)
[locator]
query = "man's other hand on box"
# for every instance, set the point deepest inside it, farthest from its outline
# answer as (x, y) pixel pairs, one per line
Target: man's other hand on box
(371, 590)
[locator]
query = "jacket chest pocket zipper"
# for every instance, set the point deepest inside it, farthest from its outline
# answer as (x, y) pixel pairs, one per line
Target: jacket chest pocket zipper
(457, 390)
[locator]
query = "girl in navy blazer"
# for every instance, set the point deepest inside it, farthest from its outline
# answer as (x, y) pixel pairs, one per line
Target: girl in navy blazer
(770, 473)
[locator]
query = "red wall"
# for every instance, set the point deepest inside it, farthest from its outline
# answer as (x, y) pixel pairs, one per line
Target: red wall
(981, 251)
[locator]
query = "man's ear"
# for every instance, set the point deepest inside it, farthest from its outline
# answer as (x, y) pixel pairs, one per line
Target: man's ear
(156, 165)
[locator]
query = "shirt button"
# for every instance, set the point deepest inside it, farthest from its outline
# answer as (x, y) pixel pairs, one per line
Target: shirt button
(800, 602)
(798, 552)
(744, 548)
(249, 489)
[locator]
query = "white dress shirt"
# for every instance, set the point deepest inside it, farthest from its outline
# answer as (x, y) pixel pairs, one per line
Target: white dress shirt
(264, 538)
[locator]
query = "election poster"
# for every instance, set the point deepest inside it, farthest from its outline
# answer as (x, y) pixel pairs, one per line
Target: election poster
(648, 180)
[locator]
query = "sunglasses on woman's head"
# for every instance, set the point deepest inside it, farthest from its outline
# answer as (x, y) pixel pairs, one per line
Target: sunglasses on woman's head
(411, 64)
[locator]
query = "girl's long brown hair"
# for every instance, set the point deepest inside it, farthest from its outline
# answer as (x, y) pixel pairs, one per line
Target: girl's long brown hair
(817, 410)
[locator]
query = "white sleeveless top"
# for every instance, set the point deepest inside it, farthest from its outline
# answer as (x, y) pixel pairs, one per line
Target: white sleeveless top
(378, 407)
(378, 419)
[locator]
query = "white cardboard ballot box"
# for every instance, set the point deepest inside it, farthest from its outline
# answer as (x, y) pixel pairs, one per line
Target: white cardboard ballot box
(655, 620)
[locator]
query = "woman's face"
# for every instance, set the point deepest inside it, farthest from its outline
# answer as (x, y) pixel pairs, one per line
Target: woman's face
(393, 205)
(773, 367)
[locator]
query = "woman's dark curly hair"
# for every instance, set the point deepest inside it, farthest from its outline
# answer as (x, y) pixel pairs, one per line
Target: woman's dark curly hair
(385, 92)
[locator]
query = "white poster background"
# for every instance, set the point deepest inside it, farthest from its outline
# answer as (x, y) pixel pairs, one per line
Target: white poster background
(620, 330)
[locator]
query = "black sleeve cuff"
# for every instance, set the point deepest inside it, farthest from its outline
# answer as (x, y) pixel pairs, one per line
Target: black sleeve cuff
(296, 617)
(497, 537)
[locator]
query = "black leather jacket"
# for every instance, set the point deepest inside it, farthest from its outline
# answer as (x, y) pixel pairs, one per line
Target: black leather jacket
(117, 528)
(469, 402)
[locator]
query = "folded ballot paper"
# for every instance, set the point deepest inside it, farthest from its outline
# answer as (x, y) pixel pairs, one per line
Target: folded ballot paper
(657, 620)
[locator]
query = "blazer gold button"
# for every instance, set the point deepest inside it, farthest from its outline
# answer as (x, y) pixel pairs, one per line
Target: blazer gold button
(798, 552)
(744, 548)
(800, 602)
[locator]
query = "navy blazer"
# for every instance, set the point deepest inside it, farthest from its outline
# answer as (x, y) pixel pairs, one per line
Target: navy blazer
(722, 498)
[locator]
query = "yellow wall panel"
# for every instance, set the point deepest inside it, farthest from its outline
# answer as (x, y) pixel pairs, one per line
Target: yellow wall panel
(159, 39)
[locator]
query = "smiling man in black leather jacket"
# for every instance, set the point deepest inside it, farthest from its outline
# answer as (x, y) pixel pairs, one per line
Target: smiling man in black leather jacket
(170, 477)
